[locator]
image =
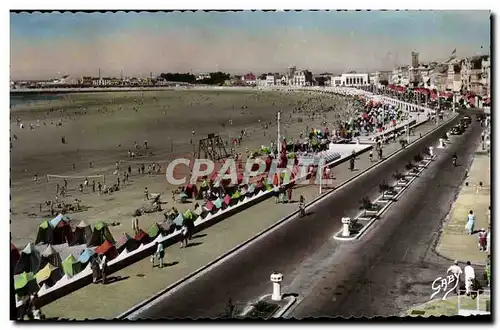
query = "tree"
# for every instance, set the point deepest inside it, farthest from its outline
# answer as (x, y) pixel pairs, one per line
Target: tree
(418, 158)
(409, 166)
(366, 205)
(383, 188)
(398, 176)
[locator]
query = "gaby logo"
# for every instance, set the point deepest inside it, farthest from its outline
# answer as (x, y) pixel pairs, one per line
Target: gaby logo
(442, 284)
(182, 171)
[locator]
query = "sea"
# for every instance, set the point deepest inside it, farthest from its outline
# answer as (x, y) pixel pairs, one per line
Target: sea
(28, 98)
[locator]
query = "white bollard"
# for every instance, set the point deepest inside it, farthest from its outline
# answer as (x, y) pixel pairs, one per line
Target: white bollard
(448, 135)
(276, 278)
(441, 143)
(357, 141)
(431, 151)
(346, 222)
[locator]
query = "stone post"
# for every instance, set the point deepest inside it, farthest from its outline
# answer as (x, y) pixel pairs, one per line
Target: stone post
(276, 278)
(346, 222)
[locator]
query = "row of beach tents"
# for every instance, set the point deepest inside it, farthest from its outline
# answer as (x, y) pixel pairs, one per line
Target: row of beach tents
(37, 265)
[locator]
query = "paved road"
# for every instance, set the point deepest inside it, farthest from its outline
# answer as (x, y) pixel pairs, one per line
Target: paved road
(393, 267)
(245, 277)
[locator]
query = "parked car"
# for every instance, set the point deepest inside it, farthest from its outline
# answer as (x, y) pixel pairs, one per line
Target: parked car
(468, 120)
(457, 130)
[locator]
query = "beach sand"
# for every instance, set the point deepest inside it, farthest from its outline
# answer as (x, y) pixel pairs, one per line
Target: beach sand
(114, 121)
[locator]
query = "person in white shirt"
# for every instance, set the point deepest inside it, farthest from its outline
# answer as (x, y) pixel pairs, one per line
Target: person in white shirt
(470, 277)
(457, 272)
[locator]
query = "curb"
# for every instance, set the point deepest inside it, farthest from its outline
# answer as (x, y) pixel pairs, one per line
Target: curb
(282, 221)
(283, 310)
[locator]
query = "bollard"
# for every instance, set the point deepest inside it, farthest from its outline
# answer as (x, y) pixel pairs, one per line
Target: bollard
(346, 222)
(276, 278)
(441, 143)
(431, 151)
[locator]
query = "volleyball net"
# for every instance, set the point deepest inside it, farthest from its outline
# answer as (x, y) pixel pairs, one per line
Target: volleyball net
(53, 177)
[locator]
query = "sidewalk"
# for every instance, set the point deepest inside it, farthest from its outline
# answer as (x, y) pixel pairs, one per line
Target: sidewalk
(454, 243)
(141, 281)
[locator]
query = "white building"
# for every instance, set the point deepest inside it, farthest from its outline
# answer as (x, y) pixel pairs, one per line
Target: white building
(270, 80)
(299, 78)
(485, 75)
(203, 76)
(350, 80)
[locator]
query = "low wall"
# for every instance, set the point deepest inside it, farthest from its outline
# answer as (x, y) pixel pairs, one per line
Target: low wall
(67, 285)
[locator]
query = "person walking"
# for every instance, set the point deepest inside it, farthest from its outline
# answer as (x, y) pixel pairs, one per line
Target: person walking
(471, 219)
(95, 270)
(146, 194)
(160, 254)
(184, 236)
(470, 277)
(103, 266)
(457, 272)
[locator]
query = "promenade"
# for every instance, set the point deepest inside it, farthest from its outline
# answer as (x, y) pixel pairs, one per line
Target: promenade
(454, 243)
(140, 280)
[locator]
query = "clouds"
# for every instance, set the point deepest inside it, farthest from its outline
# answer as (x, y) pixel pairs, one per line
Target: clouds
(236, 42)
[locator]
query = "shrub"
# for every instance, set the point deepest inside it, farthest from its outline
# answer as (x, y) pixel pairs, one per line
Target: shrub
(398, 175)
(409, 166)
(418, 158)
(366, 204)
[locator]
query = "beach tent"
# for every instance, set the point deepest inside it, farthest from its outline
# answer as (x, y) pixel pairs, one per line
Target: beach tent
(126, 242)
(191, 190)
(29, 260)
(153, 231)
(44, 234)
(218, 203)
(71, 266)
(14, 254)
(188, 215)
(48, 275)
(166, 227)
(25, 284)
(82, 234)
(142, 237)
(85, 257)
(251, 190)
(209, 206)
(50, 256)
(101, 234)
(258, 186)
(107, 249)
(178, 221)
(61, 230)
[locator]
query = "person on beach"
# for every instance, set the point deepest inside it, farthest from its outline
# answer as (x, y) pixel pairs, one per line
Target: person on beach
(99, 187)
(481, 240)
(94, 265)
(184, 236)
(457, 272)
(146, 194)
(93, 186)
(35, 178)
(471, 219)
(470, 278)
(159, 254)
(104, 266)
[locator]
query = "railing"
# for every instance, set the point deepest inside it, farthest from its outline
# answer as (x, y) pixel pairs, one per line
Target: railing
(477, 294)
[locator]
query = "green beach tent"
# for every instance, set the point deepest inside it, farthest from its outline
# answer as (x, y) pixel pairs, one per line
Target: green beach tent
(71, 266)
(25, 284)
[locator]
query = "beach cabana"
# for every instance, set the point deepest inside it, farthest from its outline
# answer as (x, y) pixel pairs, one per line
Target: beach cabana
(50, 256)
(126, 242)
(29, 260)
(44, 234)
(85, 257)
(107, 249)
(142, 237)
(179, 219)
(48, 275)
(101, 234)
(14, 254)
(25, 284)
(153, 231)
(61, 230)
(82, 233)
(71, 266)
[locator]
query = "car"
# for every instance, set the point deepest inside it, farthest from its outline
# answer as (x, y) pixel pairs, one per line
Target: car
(468, 120)
(457, 130)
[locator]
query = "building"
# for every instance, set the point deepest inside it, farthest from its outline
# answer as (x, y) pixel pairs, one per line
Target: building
(249, 79)
(485, 77)
(203, 76)
(301, 78)
(454, 75)
(355, 79)
(270, 80)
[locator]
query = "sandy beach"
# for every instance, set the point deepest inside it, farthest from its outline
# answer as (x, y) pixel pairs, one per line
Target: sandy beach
(102, 127)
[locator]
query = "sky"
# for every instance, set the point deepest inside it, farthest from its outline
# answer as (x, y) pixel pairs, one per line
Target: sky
(48, 45)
